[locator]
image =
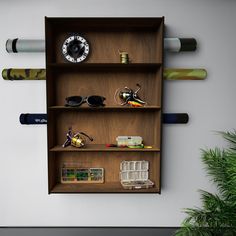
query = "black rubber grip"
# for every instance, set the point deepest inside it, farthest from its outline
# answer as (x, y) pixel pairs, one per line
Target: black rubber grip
(188, 44)
(14, 41)
(41, 118)
(23, 119)
(33, 119)
(6, 45)
(175, 118)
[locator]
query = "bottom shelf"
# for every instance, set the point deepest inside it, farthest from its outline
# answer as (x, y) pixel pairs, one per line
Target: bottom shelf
(111, 187)
(110, 162)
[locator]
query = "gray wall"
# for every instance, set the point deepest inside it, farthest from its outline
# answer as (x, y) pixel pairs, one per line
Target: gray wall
(23, 177)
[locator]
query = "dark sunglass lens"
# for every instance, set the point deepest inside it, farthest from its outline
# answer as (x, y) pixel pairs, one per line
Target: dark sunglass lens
(74, 101)
(95, 100)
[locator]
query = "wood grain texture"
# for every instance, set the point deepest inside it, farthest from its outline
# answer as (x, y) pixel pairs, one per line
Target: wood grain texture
(105, 46)
(111, 164)
(101, 74)
(104, 127)
(106, 84)
(101, 148)
(105, 108)
(99, 188)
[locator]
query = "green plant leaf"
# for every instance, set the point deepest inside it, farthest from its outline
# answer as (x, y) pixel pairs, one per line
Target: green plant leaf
(218, 213)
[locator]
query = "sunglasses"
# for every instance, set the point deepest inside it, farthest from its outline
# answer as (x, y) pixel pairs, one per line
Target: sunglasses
(92, 101)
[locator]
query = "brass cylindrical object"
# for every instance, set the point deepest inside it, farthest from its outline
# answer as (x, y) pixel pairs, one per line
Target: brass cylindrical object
(124, 57)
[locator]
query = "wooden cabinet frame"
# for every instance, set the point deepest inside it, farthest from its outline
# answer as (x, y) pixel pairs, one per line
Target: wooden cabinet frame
(101, 74)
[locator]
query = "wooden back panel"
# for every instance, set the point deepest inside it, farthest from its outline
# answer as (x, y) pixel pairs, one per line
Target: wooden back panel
(142, 38)
(71, 83)
(105, 126)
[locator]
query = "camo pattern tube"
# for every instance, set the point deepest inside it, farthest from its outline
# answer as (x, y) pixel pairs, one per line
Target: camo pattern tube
(40, 74)
(24, 74)
(184, 74)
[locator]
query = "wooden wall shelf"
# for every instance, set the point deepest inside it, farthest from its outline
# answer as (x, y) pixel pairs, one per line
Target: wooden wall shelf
(102, 74)
(114, 187)
(107, 66)
(102, 148)
(85, 107)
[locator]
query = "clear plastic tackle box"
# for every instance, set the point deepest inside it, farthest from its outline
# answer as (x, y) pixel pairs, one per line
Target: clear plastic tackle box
(135, 175)
(129, 140)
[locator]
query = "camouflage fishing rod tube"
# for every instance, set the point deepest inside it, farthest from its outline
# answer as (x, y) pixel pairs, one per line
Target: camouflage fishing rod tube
(24, 74)
(40, 74)
(184, 74)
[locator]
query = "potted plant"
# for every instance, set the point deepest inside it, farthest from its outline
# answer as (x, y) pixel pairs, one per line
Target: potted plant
(218, 213)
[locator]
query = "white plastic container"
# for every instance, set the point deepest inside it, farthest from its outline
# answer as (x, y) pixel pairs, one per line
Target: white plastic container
(129, 140)
(134, 175)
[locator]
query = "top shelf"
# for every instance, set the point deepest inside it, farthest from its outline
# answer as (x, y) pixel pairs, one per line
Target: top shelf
(106, 23)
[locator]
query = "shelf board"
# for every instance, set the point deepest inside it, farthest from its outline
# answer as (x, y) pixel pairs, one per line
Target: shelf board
(105, 108)
(101, 148)
(106, 23)
(111, 187)
(106, 66)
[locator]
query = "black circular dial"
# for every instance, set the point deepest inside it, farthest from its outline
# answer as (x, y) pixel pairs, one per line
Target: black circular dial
(75, 49)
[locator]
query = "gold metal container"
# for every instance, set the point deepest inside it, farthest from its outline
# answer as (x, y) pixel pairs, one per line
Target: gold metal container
(124, 57)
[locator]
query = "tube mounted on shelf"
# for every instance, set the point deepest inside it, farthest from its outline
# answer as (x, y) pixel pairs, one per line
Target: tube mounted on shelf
(180, 44)
(25, 45)
(23, 74)
(33, 119)
(41, 118)
(168, 74)
(38, 45)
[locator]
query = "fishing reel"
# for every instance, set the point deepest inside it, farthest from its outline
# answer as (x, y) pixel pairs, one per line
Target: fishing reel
(76, 140)
(128, 96)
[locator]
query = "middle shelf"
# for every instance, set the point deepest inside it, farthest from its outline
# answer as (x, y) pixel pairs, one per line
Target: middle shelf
(104, 127)
(102, 148)
(104, 67)
(105, 108)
